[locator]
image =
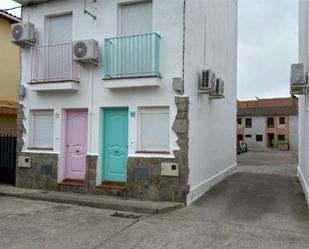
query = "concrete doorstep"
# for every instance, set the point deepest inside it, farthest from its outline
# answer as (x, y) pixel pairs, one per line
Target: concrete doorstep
(96, 201)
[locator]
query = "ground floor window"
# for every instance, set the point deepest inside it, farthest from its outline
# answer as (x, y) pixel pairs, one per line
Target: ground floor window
(42, 129)
(153, 129)
(259, 138)
(281, 137)
(240, 137)
(248, 136)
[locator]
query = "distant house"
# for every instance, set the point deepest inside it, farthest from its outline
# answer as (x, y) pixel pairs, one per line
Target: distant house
(265, 122)
(9, 76)
(132, 117)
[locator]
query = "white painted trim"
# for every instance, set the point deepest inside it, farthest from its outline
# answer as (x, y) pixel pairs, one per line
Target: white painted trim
(73, 86)
(132, 82)
(200, 189)
(304, 184)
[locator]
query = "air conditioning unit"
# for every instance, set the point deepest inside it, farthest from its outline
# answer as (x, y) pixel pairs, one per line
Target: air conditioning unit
(23, 34)
(299, 81)
(219, 89)
(207, 81)
(86, 51)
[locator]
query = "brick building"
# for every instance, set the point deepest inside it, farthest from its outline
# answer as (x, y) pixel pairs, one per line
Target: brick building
(262, 123)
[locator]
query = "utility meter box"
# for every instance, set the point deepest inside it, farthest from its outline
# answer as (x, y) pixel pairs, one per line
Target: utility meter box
(169, 169)
(24, 162)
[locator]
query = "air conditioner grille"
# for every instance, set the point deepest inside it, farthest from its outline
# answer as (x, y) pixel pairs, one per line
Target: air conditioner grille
(80, 50)
(205, 79)
(17, 32)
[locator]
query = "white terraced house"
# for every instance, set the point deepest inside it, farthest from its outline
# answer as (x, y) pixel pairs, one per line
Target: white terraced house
(127, 97)
(301, 87)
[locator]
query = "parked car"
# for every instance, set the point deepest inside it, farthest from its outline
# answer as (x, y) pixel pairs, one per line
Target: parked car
(243, 146)
(238, 147)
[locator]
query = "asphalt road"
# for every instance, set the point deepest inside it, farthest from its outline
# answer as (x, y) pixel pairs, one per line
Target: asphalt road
(249, 209)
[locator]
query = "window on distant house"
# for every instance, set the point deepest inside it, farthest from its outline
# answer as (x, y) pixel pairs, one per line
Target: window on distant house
(281, 137)
(59, 28)
(239, 121)
(153, 129)
(259, 138)
(282, 121)
(42, 127)
(270, 122)
(240, 137)
(248, 122)
(248, 136)
(135, 18)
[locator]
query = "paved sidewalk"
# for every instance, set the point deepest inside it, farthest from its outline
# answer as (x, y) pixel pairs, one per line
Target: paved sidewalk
(97, 201)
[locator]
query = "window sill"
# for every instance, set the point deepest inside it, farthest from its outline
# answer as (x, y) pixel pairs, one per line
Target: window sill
(38, 148)
(132, 81)
(152, 152)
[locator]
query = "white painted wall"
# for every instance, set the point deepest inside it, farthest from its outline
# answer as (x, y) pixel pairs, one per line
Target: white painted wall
(167, 21)
(258, 128)
(303, 168)
(212, 135)
(293, 139)
(212, 146)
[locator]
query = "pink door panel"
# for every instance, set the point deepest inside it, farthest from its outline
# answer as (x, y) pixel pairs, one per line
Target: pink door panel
(76, 144)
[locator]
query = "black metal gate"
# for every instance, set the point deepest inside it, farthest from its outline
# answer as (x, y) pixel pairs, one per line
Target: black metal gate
(7, 159)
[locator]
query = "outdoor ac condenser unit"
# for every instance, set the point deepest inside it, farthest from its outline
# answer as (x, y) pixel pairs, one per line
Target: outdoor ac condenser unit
(23, 34)
(207, 81)
(219, 89)
(299, 82)
(86, 51)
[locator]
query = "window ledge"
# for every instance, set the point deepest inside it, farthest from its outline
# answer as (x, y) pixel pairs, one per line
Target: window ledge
(132, 81)
(42, 86)
(152, 152)
(38, 148)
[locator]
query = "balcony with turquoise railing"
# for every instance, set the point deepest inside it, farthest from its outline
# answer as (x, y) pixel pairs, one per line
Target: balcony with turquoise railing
(132, 57)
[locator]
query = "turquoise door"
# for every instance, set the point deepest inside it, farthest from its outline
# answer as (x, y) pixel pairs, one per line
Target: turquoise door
(115, 144)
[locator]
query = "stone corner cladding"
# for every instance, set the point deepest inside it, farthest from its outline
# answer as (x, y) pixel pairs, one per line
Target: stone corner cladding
(144, 174)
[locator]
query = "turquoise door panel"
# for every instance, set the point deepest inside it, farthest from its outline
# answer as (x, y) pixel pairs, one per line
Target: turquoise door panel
(115, 144)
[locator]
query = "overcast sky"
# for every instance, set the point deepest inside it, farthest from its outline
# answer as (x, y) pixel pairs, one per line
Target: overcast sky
(268, 32)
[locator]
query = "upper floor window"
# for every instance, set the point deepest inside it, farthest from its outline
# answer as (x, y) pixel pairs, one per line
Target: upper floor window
(282, 121)
(270, 122)
(135, 18)
(59, 28)
(248, 122)
(239, 121)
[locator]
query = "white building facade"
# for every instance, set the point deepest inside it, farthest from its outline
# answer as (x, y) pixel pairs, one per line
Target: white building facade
(303, 168)
(120, 127)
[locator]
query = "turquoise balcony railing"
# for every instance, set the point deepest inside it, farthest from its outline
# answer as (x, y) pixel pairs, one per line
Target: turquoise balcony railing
(129, 56)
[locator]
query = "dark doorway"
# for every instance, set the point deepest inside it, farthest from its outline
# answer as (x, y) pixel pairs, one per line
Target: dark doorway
(271, 140)
(7, 159)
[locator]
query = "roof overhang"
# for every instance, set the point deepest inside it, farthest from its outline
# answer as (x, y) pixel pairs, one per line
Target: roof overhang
(9, 17)
(28, 2)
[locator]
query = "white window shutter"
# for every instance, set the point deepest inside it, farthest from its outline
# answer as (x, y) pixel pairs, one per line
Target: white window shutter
(42, 129)
(136, 18)
(154, 130)
(60, 29)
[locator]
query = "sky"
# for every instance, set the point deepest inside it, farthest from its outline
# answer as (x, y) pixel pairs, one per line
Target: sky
(267, 46)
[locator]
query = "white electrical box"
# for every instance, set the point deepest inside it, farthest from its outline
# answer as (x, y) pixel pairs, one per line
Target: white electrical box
(169, 169)
(24, 162)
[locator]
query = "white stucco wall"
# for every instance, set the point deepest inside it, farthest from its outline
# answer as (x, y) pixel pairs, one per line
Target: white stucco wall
(212, 139)
(303, 169)
(167, 21)
(293, 130)
(258, 128)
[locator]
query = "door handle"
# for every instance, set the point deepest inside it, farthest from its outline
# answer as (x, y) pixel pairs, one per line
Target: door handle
(68, 146)
(116, 151)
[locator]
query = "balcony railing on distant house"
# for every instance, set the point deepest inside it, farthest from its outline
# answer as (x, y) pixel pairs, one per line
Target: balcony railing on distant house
(132, 56)
(53, 63)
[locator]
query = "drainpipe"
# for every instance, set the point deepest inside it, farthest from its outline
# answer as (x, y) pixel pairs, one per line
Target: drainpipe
(184, 44)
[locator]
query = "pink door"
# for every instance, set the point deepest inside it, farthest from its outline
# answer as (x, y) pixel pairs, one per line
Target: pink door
(76, 144)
